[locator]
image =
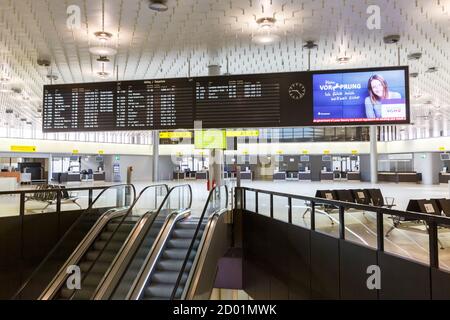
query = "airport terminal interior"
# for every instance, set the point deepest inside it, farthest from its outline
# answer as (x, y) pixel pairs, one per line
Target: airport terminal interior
(224, 150)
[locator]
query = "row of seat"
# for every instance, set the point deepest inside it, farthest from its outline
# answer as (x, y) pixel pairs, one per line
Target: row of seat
(440, 207)
(373, 197)
(49, 196)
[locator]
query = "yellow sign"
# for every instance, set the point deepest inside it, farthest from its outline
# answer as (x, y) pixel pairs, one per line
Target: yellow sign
(179, 154)
(75, 151)
(442, 149)
(280, 152)
(326, 152)
(175, 135)
(245, 152)
(354, 151)
(305, 152)
(23, 149)
(101, 152)
(243, 133)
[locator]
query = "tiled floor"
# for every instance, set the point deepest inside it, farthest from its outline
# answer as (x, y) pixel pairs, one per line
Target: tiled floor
(411, 242)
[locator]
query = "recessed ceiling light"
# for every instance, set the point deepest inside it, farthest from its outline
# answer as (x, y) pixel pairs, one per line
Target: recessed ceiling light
(266, 38)
(414, 74)
(391, 39)
(432, 70)
(265, 34)
(103, 35)
(266, 23)
(103, 51)
(103, 74)
(52, 77)
(415, 56)
(343, 60)
(5, 79)
(158, 5)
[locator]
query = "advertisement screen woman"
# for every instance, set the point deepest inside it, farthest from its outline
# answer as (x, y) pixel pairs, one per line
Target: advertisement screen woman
(378, 93)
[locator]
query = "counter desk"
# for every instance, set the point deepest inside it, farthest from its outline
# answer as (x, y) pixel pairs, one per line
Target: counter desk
(398, 177)
(444, 177)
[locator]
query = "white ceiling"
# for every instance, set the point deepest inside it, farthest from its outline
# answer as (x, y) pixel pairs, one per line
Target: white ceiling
(159, 45)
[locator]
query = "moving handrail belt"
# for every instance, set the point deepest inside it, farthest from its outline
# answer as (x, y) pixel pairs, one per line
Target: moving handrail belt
(87, 242)
(35, 273)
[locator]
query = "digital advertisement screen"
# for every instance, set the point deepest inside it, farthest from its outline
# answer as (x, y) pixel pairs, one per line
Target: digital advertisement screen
(361, 97)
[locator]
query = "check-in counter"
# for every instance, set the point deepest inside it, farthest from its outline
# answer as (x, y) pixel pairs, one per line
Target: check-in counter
(190, 175)
(10, 175)
(444, 177)
(201, 175)
(354, 176)
(178, 176)
(247, 175)
(326, 176)
(304, 176)
(292, 175)
(398, 177)
(73, 177)
(279, 176)
(99, 176)
(60, 177)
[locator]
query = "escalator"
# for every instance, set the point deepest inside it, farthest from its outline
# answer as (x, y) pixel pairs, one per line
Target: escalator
(108, 204)
(129, 262)
(96, 253)
(186, 247)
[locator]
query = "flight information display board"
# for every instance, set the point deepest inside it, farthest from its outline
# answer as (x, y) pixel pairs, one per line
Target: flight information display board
(293, 99)
(124, 105)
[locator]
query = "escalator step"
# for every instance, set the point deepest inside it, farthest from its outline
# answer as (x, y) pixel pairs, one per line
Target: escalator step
(183, 233)
(106, 235)
(181, 243)
(168, 277)
(98, 267)
(163, 291)
(113, 245)
(177, 253)
(172, 265)
(105, 257)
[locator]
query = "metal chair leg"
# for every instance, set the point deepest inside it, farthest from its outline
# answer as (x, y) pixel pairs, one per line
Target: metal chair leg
(390, 230)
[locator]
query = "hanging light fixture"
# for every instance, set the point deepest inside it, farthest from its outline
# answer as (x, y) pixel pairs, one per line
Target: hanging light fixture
(103, 37)
(265, 34)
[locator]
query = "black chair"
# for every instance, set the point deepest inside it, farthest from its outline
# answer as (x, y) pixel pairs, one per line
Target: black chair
(345, 195)
(361, 197)
(324, 209)
(444, 206)
(378, 200)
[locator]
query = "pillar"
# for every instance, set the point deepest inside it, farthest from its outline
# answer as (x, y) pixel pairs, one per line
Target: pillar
(155, 171)
(373, 155)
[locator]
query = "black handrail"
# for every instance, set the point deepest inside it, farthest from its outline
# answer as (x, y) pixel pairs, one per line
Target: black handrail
(122, 220)
(432, 221)
(194, 238)
(349, 205)
(55, 247)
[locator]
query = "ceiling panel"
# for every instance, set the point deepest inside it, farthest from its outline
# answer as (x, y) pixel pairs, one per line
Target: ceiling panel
(201, 32)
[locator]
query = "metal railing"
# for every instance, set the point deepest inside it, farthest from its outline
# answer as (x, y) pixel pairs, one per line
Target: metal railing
(432, 221)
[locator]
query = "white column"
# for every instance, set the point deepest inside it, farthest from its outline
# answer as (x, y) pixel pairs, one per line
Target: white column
(155, 169)
(373, 155)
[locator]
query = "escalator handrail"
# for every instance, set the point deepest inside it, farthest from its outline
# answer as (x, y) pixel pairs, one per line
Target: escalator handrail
(127, 214)
(194, 238)
(121, 253)
(61, 240)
